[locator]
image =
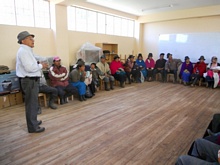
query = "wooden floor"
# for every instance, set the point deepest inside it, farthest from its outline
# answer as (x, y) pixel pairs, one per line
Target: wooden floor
(142, 124)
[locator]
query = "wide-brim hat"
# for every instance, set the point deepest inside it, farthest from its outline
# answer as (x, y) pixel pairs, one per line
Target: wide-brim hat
(186, 57)
(23, 35)
(116, 56)
(202, 58)
(131, 56)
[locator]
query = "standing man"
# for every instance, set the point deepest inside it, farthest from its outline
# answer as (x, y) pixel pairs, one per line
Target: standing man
(107, 77)
(160, 67)
(29, 71)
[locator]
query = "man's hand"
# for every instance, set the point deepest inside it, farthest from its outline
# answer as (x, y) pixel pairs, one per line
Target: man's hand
(44, 65)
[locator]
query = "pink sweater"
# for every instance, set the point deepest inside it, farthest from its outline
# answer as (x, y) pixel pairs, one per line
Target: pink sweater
(114, 66)
(150, 63)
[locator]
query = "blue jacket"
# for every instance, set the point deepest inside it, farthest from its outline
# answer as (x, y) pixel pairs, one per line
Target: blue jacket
(142, 63)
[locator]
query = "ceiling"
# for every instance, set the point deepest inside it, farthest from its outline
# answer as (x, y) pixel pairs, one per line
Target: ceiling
(143, 7)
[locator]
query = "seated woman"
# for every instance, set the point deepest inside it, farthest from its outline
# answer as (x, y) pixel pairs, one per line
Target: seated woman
(212, 74)
(96, 72)
(117, 71)
(150, 63)
(186, 71)
(198, 70)
(142, 66)
(131, 69)
(77, 78)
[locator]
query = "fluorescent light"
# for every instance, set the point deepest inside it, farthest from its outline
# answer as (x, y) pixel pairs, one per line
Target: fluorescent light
(157, 7)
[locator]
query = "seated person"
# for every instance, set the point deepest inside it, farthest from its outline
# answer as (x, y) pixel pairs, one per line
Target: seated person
(142, 66)
(117, 70)
(77, 78)
(51, 91)
(95, 71)
(160, 67)
(212, 74)
(171, 66)
(203, 152)
(198, 70)
(186, 71)
(88, 79)
(132, 69)
(105, 75)
(59, 77)
(150, 63)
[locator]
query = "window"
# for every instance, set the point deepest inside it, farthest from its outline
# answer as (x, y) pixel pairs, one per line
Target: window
(109, 25)
(7, 12)
(124, 28)
(42, 14)
(81, 19)
(34, 13)
(101, 23)
(24, 12)
(117, 26)
(91, 21)
(71, 18)
(84, 20)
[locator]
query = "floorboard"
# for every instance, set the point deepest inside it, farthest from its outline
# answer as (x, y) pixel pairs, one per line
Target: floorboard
(141, 124)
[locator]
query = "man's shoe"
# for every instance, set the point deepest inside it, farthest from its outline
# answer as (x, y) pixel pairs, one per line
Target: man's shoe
(39, 122)
(84, 98)
(52, 106)
(38, 130)
(210, 132)
(39, 110)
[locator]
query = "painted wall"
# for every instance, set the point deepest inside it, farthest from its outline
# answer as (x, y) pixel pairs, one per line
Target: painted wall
(152, 31)
(57, 40)
(44, 43)
(126, 45)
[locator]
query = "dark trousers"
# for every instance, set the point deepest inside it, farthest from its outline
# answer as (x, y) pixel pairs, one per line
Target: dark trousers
(120, 77)
(194, 78)
(92, 87)
(210, 81)
(30, 88)
(162, 72)
(66, 91)
(135, 74)
(171, 72)
(51, 91)
(150, 73)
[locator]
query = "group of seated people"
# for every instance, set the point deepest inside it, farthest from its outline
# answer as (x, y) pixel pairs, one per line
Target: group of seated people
(83, 82)
(146, 70)
(206, 150)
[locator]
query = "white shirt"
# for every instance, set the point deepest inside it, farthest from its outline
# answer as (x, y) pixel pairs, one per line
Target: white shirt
(26, 63)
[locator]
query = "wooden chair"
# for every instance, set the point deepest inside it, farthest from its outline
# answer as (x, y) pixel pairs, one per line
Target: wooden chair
(44, 98)
(101, 82)
(170, 75)
(71, 98)
(158, 76)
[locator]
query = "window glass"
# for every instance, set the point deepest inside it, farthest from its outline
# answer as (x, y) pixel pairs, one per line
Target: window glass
(101, 23)
(109, 25)
(91, 21)
(81, 19)
(7, 12)
(117, 26)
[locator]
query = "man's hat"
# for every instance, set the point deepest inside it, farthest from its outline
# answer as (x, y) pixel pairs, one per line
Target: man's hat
(116, 56)
(103, 56)
(56, 58)
(186, 57)
(131, 56)
(202, 58)
(23, 35)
